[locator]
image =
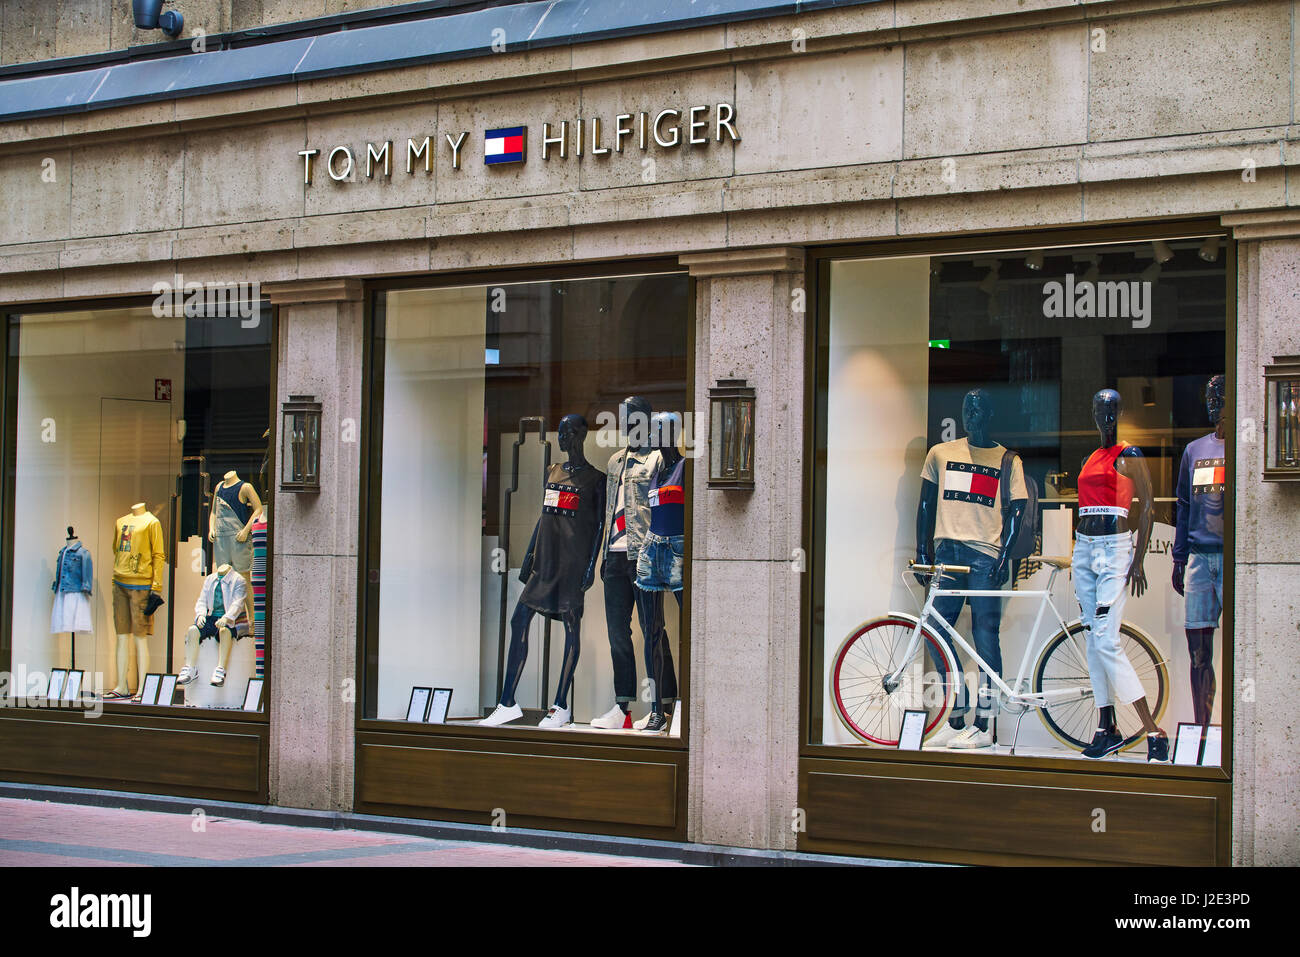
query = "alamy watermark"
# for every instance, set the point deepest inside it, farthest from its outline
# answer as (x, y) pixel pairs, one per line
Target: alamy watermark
(1086, 299)
(208, 300)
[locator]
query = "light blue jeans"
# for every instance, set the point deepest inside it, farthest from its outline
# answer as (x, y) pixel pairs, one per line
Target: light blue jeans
(1100, 565)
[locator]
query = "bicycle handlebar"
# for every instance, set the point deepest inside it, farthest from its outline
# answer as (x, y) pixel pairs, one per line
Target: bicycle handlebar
(937, 569)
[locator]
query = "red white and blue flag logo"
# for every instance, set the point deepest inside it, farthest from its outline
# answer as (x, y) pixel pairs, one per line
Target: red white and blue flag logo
(505, 146)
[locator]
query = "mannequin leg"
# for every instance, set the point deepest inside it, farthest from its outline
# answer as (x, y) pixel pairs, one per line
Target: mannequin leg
(619, 601)
(572, 649)
(141, 660)
(1200, 643)
(123, 655)
(518, 655)
(192, 647)
(225, 642)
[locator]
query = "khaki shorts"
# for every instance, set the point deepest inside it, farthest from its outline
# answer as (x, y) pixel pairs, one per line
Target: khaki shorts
(128, 611)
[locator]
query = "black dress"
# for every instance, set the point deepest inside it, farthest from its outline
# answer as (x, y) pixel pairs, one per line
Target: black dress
(573, 512)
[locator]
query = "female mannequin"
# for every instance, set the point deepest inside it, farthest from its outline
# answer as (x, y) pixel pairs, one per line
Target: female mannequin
(1107, 562)
(235, 506)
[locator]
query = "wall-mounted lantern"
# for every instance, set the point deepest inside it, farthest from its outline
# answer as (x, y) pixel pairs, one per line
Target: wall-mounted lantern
(1282, 419)
(300, 467)
(731, 435)
(149, 15)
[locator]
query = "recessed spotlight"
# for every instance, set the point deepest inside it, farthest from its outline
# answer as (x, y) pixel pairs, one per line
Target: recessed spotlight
(1209, 250)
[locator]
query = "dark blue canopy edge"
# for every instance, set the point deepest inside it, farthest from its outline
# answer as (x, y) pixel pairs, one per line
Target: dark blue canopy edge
(452, 36)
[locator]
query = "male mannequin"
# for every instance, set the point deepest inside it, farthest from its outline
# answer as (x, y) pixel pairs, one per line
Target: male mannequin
(235, 506)
(962, 511)
(1198, 548)
(220, 614)
(1107, 563)
(659, 563)
(558, 568)
(138, 560)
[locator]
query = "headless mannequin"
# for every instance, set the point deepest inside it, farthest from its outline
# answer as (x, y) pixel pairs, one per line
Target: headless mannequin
(247, 495)
(1106, 409)
(124, 645)
(225, 638)
(976, 413)
(1200, 641)
(572, 434)
(664, 430)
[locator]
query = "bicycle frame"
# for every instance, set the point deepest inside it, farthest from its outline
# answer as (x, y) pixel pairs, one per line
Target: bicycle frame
(1032, 648)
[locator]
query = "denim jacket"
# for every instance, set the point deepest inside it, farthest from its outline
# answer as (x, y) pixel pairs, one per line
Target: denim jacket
(636, 508)
(73, 569)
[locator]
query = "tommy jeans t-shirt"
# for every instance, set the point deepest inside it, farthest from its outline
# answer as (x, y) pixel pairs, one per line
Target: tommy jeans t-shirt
(970, 492)
(1201, 480)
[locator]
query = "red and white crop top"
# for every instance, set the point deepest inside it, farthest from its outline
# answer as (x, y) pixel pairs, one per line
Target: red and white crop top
(1102, 489)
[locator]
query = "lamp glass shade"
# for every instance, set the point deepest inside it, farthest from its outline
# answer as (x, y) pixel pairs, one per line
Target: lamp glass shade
(1282, 431)
(731, 436)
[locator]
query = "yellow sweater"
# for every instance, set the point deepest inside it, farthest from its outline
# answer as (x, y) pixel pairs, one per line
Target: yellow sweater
(138, 555)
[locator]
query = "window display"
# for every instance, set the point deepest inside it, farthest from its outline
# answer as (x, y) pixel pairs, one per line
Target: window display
(1055, 424)
(120, 418)
(480, 544)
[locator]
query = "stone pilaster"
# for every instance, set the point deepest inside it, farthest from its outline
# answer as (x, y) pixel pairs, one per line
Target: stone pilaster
(744, 661)
(313, 604)
(1266, 762)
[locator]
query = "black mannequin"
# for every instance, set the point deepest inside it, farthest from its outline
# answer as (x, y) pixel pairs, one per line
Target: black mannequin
(976, 412)
(1107, 406)
(664, 434)
(572, 434)
(1200, 640)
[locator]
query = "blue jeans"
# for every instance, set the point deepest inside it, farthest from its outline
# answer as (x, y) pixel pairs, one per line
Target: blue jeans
(622, 596)
(1203, 589)
(1100, 566)
(986, 618)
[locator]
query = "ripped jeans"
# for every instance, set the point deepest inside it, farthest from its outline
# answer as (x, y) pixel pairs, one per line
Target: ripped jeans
(1101, 564)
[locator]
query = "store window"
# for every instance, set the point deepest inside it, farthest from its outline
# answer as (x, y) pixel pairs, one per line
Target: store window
(1041, 433)
(527, 505)
(139, 505)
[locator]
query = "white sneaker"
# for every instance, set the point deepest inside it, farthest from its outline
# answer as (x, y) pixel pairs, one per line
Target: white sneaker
(972, 737)
(556, 717)
(219, 676)
(939, 740)
(612, 719)
(502, 715)
(640, 723)
(187, 675)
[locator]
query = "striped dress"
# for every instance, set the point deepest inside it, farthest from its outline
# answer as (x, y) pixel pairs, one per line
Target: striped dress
(257, 579)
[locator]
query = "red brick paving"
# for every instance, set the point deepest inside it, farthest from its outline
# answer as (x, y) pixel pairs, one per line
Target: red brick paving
(45, 834)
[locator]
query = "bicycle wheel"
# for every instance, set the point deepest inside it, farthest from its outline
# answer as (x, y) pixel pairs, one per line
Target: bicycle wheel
(1064, 664)
(875, 650)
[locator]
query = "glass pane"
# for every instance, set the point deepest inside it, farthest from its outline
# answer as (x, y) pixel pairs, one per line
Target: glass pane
(500, 420)
(956, 384)
(142, 460)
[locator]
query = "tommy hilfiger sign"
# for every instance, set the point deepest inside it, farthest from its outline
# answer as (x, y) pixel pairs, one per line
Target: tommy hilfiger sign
(694, 127)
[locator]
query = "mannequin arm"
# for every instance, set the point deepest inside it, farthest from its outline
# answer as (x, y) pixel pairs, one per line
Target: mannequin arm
(589, 576)
(926, 510)
(1010, 525)
(1131, 464)
(526, 571)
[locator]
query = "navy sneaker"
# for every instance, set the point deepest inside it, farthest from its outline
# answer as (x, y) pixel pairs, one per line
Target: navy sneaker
(1105, 741)
(1157, 747)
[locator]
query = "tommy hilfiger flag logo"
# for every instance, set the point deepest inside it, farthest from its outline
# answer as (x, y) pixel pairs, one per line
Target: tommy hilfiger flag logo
(505, 146)
(965, 482)
(560, 500)
(1207, 476)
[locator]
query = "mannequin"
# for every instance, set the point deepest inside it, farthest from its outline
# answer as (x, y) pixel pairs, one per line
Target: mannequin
(74, 577)
(138, 560)
(219, 613)
(1108, 563)
(961, 511)
(558, 568)
(659, 563)
(235, 506)
(627, 518)
(1198, 548)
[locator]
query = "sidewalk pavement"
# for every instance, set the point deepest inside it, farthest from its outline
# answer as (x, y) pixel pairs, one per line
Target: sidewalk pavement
(45, 834)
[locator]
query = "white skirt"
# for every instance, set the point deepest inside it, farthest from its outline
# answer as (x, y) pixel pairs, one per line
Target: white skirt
(71, 613)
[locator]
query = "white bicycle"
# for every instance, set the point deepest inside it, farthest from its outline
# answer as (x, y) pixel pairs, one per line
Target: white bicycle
(875, 678)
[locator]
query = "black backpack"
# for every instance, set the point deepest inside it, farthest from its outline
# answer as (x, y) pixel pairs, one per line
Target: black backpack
(1026, 540)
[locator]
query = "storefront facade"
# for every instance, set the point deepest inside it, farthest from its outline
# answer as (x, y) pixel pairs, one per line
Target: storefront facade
(864, 213)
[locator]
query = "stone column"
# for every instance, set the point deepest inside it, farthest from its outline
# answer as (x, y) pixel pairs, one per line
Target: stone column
(1266, 760)
(745, 589)
(313, 596)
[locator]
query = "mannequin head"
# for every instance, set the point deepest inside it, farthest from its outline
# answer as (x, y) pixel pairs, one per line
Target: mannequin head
(634, 421)
(1215, 398)
(573, 432)
(1106, 408)
(976, 412)
(665, 434)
